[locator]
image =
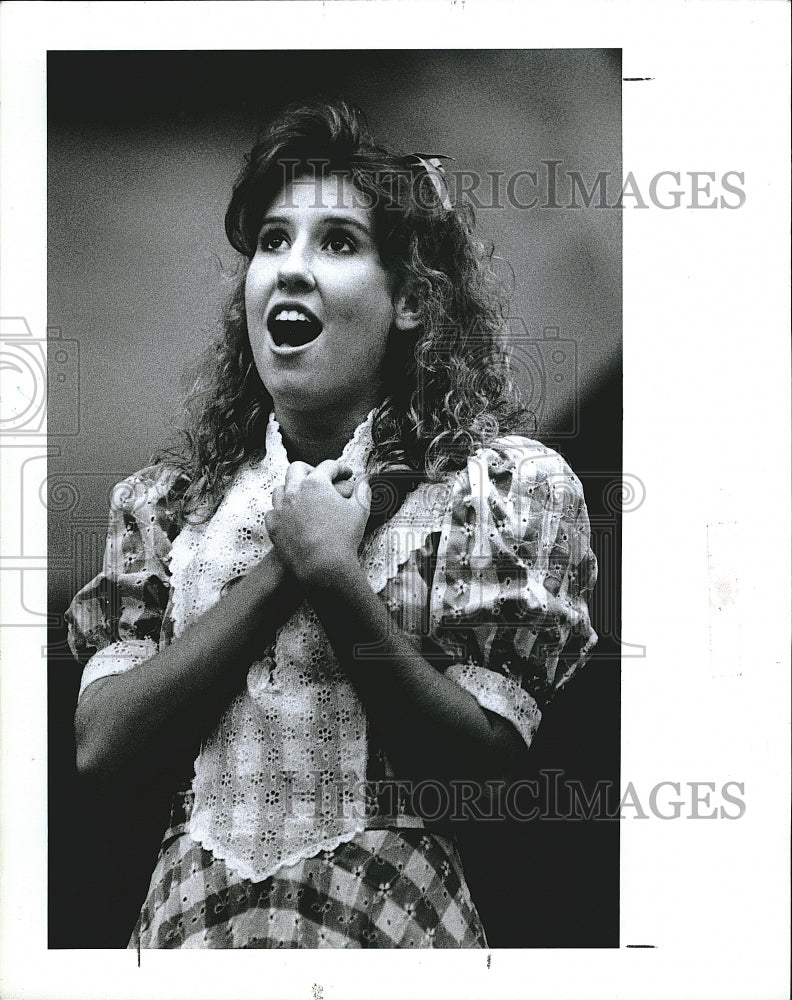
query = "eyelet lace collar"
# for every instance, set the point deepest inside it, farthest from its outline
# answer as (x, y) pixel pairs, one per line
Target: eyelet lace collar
(355, 453)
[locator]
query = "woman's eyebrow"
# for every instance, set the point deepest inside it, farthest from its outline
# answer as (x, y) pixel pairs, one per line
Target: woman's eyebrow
(333, 218)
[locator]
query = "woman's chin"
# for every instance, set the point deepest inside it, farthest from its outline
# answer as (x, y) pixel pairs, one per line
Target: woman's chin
(298, 390)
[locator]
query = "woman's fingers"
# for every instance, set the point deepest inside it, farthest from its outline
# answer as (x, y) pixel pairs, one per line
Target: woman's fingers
(363, 493)
(338, 474)
(295, 474)
(332, 470)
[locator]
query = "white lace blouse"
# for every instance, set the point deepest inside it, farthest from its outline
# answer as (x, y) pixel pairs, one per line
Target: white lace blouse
(493, 564)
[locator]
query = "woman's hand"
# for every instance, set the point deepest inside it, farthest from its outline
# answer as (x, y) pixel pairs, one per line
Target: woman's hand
(317, 520)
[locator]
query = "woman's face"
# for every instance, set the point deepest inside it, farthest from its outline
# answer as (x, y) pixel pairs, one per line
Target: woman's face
(319, 302)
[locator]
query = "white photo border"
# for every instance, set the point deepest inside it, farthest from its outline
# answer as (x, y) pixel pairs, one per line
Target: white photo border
(706, 559)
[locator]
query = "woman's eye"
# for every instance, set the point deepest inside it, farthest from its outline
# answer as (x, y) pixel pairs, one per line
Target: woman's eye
(340, 242)
(272, 240)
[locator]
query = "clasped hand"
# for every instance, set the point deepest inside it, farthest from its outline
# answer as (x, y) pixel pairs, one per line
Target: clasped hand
(317, 520)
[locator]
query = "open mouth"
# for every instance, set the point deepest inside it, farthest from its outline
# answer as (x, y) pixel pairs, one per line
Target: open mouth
(293, 326)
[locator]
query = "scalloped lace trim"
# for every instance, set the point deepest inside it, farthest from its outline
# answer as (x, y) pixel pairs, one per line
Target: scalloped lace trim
(221, 851)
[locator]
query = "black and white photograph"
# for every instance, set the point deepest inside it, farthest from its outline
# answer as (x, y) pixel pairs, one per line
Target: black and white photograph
(422, 306)
(385, 408)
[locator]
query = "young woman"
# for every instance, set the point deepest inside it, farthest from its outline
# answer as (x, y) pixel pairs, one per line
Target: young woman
(350, 587)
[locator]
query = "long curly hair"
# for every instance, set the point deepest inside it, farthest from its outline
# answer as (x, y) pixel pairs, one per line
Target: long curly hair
(447, 388)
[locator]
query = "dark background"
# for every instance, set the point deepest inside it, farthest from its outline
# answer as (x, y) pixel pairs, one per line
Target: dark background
(143, 149)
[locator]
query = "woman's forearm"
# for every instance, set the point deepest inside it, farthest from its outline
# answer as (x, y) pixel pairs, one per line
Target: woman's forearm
(157, 713)
(428, 725)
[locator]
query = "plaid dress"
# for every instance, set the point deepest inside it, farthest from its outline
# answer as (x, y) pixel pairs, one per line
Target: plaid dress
(386, 888)
(500, 581)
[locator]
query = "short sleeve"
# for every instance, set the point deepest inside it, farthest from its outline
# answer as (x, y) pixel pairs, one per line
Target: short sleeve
(115, 621)
(514, 574)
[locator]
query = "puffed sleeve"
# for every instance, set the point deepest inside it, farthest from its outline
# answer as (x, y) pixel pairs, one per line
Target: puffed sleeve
(514, 573)
(115, 621)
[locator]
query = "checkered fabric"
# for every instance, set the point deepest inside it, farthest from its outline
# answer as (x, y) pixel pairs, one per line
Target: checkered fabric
(385, 888)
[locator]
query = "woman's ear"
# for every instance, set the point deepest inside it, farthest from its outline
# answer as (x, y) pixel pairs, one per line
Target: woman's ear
(406, 309)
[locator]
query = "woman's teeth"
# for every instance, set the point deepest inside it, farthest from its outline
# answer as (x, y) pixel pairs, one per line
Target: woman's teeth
(292, 316)
(292, 328)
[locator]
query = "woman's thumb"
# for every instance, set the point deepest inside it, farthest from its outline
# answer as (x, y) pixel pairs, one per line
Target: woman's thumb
(363, 492)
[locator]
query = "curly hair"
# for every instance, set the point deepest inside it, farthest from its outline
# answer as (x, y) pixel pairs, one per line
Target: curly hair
(447, 388)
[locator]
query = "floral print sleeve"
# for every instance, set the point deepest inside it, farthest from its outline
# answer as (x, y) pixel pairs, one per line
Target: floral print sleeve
(509, 597)
(116, 621)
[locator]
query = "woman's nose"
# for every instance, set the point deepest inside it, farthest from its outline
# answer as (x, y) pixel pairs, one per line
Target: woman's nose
(295, 267)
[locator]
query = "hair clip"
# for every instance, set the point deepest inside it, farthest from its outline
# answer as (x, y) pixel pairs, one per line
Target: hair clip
(435, 171)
